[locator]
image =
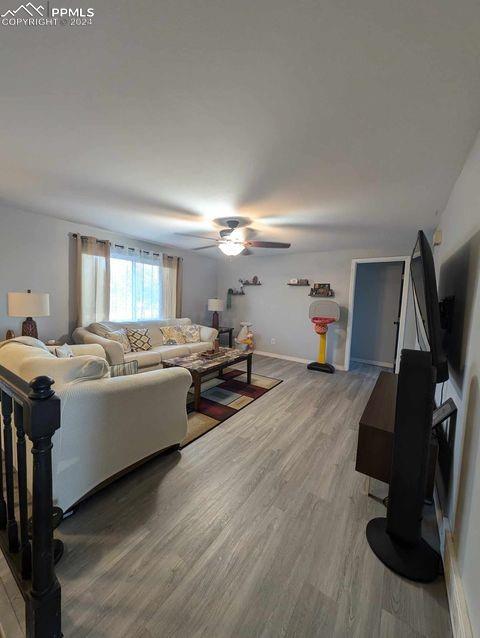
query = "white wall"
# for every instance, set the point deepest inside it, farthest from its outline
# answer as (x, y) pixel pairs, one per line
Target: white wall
(279, 311)
(34, 253)
(458, 267)
(377, 296)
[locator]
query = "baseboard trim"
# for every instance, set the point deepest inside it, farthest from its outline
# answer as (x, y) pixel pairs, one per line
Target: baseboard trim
(382, 364)
(287, 357)
(457, 603)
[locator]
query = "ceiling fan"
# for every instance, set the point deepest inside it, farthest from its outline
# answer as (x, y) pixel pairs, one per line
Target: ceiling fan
(231, 244)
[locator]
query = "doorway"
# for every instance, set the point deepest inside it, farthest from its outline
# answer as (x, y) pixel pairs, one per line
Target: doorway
(377, 311)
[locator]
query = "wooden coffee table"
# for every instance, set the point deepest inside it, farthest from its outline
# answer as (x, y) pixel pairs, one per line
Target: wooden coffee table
(199, 367)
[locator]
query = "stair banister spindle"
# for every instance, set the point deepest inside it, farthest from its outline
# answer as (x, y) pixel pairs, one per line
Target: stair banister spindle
(3, 505)
(25, 547)
(12, 528)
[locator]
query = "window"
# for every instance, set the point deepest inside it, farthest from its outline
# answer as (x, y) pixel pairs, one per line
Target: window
(135, 285)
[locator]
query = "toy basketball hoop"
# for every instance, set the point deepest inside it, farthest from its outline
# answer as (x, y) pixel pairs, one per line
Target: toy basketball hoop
(322, 313)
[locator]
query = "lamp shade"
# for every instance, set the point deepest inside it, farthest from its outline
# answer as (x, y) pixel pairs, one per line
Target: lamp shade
(28, 304)
(215, 305)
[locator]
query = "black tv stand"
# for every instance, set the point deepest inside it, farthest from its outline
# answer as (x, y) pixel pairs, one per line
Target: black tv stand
(418, 562)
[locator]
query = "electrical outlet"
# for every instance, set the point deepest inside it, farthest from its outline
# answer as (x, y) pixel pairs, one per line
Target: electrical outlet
(273, 341)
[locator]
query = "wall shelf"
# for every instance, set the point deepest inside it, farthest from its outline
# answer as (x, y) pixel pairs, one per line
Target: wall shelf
(299, 285)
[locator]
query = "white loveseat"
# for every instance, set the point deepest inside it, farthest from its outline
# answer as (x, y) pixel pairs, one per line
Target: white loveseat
(107, 423)
(148, 359)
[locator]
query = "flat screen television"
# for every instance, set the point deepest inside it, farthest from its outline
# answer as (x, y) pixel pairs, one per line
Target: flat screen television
(427, 309)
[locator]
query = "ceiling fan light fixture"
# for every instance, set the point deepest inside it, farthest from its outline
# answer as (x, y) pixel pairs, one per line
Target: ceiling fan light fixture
(231, 248)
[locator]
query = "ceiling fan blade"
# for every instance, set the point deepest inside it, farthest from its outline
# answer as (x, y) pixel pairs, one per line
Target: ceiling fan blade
(267, 244)
(204, 247)
(197, 236)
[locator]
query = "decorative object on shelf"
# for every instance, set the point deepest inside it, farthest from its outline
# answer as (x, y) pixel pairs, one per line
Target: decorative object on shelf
(232, 242)
(234, 292)
(321, 290)
(9, 335)
(244, 338)
(298, 282)
(321, 314)
(231, 292)
(215, 305)
(253, 282)
(29, 304)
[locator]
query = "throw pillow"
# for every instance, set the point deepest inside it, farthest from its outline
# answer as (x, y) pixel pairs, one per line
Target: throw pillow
(173, 335)
(122, 338)
(139, 339)
(124, 369)
(63, 352)
(191, 333)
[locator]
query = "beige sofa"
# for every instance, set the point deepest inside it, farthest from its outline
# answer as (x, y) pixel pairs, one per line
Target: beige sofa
(107, 423)
(149, 359)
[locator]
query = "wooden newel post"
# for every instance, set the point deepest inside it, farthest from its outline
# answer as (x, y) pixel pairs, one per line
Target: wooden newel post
(43, 614)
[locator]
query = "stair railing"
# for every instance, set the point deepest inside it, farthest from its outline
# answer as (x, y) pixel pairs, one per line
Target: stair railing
(30, 410)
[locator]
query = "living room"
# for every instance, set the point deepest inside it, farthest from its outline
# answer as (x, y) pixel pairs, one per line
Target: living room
(240, 256)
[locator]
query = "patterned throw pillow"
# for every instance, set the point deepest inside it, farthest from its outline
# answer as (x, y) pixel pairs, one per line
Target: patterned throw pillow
(139, 339)
(191, 333)
(122, 338)
(124, 369)
(173, 335)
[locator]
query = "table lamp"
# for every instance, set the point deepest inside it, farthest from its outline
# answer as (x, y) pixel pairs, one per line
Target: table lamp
(215, 306)
(29, 304)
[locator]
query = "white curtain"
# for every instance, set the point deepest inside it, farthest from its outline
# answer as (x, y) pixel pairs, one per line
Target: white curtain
(136, 285)
(92, 280)
(172, 286)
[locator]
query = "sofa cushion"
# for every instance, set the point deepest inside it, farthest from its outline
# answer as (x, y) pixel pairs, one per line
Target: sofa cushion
(191, 333)
(26, 341)
(121, 336)
(14, 351)
(145, 358)
(139, 339)
(168, 352)
(63, 371)
(173, 335)
(101, 328)
(29, 362)
(155, 334)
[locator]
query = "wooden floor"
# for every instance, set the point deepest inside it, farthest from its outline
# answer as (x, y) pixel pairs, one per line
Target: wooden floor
(256, 529)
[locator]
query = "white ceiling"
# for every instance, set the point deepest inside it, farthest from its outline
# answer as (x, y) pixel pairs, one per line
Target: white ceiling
(330, 124)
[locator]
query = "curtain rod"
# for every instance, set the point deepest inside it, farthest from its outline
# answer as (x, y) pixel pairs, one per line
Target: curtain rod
(106, 241)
